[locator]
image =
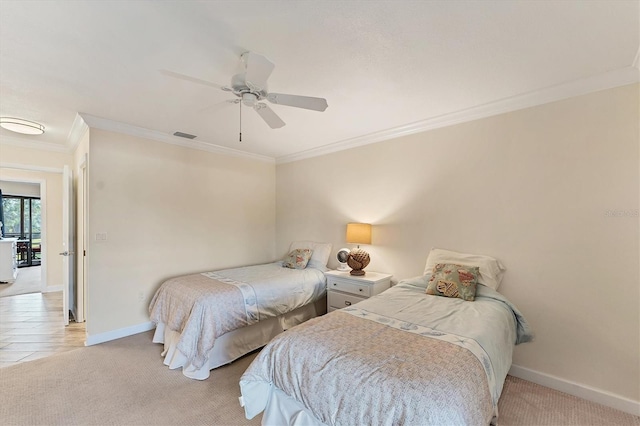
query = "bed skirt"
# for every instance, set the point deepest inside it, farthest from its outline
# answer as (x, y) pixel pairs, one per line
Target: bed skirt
(231, 346)
(281, 409)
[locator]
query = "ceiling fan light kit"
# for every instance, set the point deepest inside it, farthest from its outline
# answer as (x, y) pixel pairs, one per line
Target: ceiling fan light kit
(22, 126)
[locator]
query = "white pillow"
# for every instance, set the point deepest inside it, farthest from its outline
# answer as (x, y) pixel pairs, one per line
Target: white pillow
(491, 270)
(320, 255)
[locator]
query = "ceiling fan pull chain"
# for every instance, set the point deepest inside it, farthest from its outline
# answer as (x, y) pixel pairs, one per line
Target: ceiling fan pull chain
(240, 121)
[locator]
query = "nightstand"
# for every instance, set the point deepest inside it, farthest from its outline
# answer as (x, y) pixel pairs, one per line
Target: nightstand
(344, 289)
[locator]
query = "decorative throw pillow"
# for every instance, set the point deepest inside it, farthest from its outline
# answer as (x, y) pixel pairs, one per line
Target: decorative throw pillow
(450, 280)
(320, 253)
(297, 259)
(491, 270)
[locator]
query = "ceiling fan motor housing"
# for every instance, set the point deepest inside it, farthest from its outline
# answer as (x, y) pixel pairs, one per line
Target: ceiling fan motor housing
(239, 87)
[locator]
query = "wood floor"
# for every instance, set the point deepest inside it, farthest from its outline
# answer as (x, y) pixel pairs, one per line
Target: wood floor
(32, 327)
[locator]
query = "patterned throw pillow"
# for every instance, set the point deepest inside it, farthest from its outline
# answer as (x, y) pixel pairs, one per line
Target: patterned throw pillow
(451, 280)
(297, 259)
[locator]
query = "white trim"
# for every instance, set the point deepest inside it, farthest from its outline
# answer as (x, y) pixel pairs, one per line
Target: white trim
(44, 238)
(608, 80)
(77, 132)
(16, 166)
(576, 389)
(119, 333)
(129, 129)
(619, 77)
(29, 143)
(52, 289)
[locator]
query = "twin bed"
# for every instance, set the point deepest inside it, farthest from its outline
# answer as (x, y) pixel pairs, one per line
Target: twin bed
(434, 349)
(210, 319)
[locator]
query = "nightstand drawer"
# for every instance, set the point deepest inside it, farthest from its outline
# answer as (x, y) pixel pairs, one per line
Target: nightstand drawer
(338, 300)
(348, 287)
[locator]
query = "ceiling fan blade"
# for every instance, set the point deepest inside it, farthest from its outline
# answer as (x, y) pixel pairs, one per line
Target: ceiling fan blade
(306, 102)
(269, 116)
(259, 69)
(191, 79)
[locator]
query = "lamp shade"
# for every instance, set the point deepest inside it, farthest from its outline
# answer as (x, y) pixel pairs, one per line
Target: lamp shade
(359, 233)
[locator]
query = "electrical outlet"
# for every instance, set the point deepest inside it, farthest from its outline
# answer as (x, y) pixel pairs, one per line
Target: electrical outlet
(141, 296)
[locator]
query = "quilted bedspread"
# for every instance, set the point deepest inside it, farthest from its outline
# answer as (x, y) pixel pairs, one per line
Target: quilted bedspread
(401, 357)
(203, 307)
(355, 375)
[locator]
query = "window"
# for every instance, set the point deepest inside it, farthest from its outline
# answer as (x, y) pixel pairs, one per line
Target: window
(23, 220)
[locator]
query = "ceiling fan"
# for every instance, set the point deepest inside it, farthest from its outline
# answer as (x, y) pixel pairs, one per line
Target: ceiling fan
(250, 86)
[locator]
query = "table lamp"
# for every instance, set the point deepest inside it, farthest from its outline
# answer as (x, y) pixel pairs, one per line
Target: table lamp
(358, 233)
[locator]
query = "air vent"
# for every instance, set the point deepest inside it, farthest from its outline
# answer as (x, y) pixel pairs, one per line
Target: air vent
(184, 135)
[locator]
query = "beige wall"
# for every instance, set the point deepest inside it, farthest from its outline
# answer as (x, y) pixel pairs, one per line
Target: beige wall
(15, 155)
(532, 188)
(45, 160)
(167, 211)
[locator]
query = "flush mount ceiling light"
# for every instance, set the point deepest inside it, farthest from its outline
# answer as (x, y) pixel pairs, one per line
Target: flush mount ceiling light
(19, 125)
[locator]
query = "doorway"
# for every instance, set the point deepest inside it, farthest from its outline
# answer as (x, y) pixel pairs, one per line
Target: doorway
(23, 213)
(39, 178)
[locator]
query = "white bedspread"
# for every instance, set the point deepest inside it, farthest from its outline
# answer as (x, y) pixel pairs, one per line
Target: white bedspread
(488, 326)
(203, 307)
(278, 290)
(402, 357)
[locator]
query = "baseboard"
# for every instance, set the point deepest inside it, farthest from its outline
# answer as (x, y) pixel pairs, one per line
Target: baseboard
(52, 288)
(119, 333)
(576, 389)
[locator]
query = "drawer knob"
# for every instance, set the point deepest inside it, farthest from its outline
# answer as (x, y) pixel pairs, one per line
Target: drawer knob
(360, 289)
(335, 284)
(347, 303)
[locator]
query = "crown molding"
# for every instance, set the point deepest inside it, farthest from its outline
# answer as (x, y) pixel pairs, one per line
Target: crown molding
(131, 130)
(615, 78)
(28, 143)
(608, 80)
(28, 167)
(77, 132)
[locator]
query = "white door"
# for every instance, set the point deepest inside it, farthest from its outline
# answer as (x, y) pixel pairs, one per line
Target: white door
(81, 226)
(67, 244)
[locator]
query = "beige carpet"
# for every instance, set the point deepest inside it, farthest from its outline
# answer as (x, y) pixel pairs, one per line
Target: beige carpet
(526, 403)
(28, 281)
(124, 383)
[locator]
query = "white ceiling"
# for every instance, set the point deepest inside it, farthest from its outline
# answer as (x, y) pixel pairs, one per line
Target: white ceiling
(383, 66)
